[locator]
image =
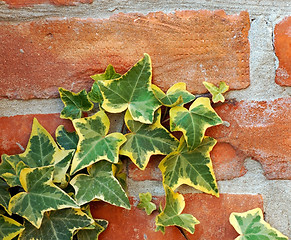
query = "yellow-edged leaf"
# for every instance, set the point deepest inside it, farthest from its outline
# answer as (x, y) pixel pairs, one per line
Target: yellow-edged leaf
(9, 228)
(216, 92)
(93, 231)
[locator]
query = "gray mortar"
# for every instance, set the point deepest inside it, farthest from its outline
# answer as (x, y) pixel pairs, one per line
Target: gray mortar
(276, 193)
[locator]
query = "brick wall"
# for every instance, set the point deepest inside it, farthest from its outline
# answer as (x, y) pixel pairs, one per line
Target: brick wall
(46, 44)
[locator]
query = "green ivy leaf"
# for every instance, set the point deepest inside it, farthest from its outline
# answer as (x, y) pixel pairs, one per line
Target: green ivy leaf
(132, 91)
(66, 140)
(75, 103)
(100, 184)
(171, 215)
(194, 122)
(40, 195)
(176, 95)
(146, 140)
(57, 225)
(9, 228)
(251, 225)
(145, 203)
(4, 194)
(216, 92)
(94, 145)
(191, 167)
(95, 94)
(119, 173)
(93, 231)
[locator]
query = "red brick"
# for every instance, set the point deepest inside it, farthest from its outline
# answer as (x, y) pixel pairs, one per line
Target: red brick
(282, 44)
(189, 46)
(27, 3)
(258, 129)
(212, 212)
(16, 130)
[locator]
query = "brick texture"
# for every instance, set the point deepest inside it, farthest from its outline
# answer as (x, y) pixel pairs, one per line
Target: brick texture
(27, 3)
(282, 45)
(15, 131)
(212, 212)
(189, 46)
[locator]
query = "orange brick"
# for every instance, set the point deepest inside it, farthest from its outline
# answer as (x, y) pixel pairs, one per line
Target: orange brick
(16, 130)
(135, 224)
(282, 44)
(27, 3)
(189, 46)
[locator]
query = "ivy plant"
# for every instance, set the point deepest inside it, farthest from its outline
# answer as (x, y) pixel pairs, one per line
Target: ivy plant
(45, 192)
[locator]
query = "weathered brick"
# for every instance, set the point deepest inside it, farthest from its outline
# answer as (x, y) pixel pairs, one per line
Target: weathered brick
(15, 130)
(282, 36)
(189, 46)
(212, 212)
(27, 3)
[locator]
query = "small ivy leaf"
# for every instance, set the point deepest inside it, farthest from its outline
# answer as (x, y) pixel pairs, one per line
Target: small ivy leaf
(194, 122)
(145, 203)
(93, 231)
(119, 173)
(171, 215)
(146, 140)
(177, 95)
(66, 140)
(57, 225)
(216, 92)
(94, 145)
(4, 194)
(9, 228)
(75, 104)
(191, 167)
(95, 94)
(251, 225)
(40, 195)
(61, 168)
(132, 91)
(100, 184)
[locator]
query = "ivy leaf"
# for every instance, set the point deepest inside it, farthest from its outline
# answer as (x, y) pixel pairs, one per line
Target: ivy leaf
(75, 103)
(61, 168)
(145, 203)
(171, 215)
(40, 195)
(132, 91)
(95, 94)
(191, 167)
(94, 145)
(4, 194)
(194, 122)
(93, 231)
(119, 173)
(146, 140)
(57, 225)
(176, 95)
(100, 184)
(9, 228)
(251, 225)
(216, 92)
(66, 140)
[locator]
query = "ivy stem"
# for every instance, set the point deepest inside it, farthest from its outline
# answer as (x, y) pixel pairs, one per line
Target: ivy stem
(208, 95)
(182, 232)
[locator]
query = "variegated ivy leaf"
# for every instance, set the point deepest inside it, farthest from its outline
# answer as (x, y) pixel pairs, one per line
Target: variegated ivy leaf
(120, 174)
(57, 225)
(66, 140)
(94, 145)
(145, 203)
(93, 231)
(99, 184)
(251, 225)
(40, 195)
(132, 91)
(171, 215)
(95, 94)
(216, 92)
(9, 228)
(75, 103)
(176, 95)
(146, 140)
(191, 167)
(194, 122)
(4, 194)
